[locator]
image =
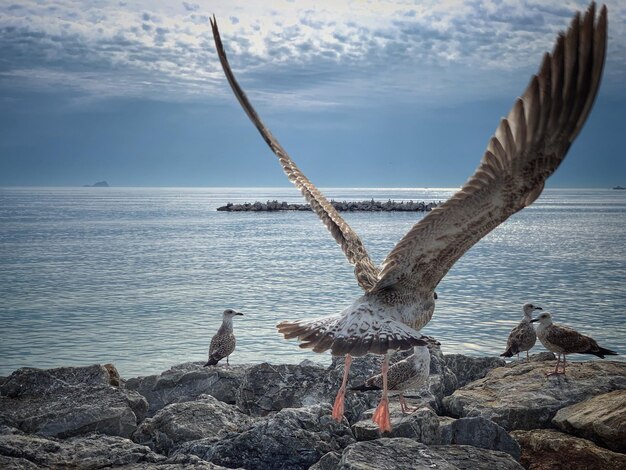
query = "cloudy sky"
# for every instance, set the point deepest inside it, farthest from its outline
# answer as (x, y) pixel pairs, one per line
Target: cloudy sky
(378, 93)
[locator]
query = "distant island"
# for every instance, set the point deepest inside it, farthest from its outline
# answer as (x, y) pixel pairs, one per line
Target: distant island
(619, 187)
(99, 184)
(352, 206)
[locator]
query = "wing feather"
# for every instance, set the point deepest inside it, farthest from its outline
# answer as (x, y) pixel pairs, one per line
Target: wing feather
(528, 146)
(364, 269)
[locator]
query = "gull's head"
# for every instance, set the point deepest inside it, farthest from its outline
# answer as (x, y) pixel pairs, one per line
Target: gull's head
(529, 309)
(229, 313)
(544, 319)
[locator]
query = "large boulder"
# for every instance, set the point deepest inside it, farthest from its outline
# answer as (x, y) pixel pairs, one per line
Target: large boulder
(186, 382)
(467, 369)
(422, 426)
(19, 450)
(478, 432)
(601, 419)
(546, 449)
(289, 439)
(69, 401)
(205, 418)
(406, 454)
(522, 397)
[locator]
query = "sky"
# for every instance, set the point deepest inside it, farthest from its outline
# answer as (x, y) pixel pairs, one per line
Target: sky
(360, 93)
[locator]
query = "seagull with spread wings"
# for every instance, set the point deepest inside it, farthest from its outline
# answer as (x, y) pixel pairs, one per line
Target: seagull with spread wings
(528, 146)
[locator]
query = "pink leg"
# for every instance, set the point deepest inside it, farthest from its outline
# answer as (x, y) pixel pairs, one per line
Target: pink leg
(404, 406)
(517, 357)
(564, 362)
(556, 369)
(381, 415)
(338, 406)
(527, 358)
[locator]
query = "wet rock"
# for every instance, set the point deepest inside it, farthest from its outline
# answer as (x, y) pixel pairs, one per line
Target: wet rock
(330, 461)
(479, 432)
(186, 382)
(205, 418)
(467, 369)
(522, 397)
(19, 450)
(546, 449)
(406, 454)
(290, 439)
(601, 419)
(69, 401)
(421, 425)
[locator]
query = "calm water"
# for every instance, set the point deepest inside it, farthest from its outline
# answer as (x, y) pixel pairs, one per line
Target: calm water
(139, 276)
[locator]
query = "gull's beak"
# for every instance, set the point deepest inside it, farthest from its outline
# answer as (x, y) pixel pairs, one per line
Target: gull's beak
(533, 321)
(238, 313)
(538, 308)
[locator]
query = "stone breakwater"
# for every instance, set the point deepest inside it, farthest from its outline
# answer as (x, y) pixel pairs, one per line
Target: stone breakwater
(344, 206)
(477, 413)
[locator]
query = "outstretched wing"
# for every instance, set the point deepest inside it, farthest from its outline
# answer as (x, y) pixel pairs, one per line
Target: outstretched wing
(365, 271)
(528, 146)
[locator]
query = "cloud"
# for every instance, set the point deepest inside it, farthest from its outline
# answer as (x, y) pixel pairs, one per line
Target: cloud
(323, 52)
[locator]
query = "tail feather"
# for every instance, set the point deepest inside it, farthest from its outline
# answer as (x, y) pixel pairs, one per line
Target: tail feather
(509, 352)
(364, 387)
(350, 334)
(212, 361)
(601, 352)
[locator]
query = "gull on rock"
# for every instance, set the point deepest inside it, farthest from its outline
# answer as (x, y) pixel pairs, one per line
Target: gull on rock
(523, 336)
(408, 374)
(223, 342)
(529, 144)
(563, 340)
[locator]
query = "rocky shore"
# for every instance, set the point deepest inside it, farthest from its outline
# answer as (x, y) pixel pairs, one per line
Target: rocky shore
(478, 413)
(344, 206)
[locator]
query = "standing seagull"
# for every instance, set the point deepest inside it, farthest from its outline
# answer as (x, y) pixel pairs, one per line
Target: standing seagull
(223, 342)
(528, 146)
(408, 374)
(564, 340)
(523, 336)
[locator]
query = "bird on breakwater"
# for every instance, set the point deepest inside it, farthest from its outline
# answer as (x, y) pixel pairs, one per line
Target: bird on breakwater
(223, 342)
(408, 374)
(563, 340)
(523, 336)
(528, 146)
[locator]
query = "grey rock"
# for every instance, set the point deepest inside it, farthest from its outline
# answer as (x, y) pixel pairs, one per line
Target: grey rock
(522, 397)
(289, 439)
(69, 401)
(406, 454)
(206, 418)
(467, 369)
(19, 450)
(547, 449)
(466, 457)
(186, 382)
(421, 425)
(330, 461)
(601, 419)
(479, 432)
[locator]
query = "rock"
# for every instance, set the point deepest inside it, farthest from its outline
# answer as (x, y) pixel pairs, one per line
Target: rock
(330, 461)
(472, 458)
(522, 397)
(467, 369)
(290, 439)
(422, 425)
(186, 382)
(546, 449)
(479, 432)
(406, 454)
(19, 450)
(601, 419)
(69, 401)
(206, 418)
(268, 388)
(367, 206)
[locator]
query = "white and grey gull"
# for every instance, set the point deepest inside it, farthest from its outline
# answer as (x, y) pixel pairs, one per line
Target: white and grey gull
(523, 336)
(223, 342)
(563, 340)
(528, 146)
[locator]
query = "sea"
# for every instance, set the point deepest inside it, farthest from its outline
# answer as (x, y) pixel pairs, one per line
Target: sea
(139, 277)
